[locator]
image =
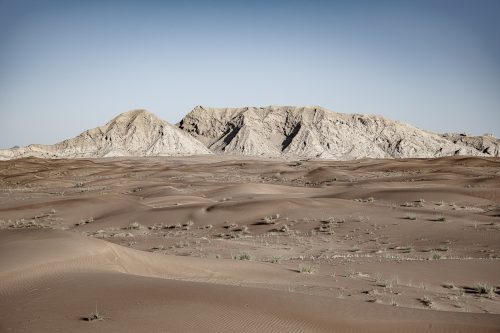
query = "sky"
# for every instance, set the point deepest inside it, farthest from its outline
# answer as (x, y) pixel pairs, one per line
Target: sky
(67, 66)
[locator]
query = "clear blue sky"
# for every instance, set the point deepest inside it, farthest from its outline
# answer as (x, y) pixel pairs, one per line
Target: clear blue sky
(66, 66)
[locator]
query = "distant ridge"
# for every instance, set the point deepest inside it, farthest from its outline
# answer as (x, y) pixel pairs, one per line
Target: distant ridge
(133, 133)
(316, 132)
(273, 131)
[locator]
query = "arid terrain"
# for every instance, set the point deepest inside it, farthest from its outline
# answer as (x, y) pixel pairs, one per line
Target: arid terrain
(221, 243)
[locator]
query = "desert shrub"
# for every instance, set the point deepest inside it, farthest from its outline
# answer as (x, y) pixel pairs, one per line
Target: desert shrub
(439, 218)
(308, 269)
(485, 289)
(94, 316)
(436, 256)
(133, 226)
(426, 300)
(275, 259)
(242, 256)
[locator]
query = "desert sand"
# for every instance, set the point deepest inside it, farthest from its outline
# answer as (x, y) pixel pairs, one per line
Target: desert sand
(244, 244)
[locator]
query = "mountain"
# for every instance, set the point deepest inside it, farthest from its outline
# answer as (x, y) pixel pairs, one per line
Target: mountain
(133, 133)
(487, 144)
(276, 131)
(317, 132)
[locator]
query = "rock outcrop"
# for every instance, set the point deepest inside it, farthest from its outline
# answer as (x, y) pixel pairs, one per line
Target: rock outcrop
(487, 144)
(316, 132)
(133, 133)
(274, 131)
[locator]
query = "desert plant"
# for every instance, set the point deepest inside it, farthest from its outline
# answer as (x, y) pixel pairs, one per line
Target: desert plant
(133, 226)
(94, 316)
(436, 256)
(284, 228)
(242, 256)
(426, 300)
(449, 285)
(308, 269)
(270, 219)
(485, 289)
(86, 221)
(275, 259)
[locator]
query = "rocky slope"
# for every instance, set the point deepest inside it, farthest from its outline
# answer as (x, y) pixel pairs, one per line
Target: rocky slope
(317, 132)
(133, 133)
(487, 144)
(276, 131)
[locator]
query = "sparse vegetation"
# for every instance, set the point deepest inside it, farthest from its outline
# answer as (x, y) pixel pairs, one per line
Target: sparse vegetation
(94, 316)
(86, 221)
(318, 230)
(449, 285)
(484, 289)
(134, 226)
(272, 219)
(405, 248)
(426, 300)
(307, 269)
(369, 199)
(188, 223)
(242, 256)
(275, 259)
(22, 223)
(436, 256)
(412, 217)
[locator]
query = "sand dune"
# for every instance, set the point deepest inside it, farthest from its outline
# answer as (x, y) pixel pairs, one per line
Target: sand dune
(62, 271)
(225, 244)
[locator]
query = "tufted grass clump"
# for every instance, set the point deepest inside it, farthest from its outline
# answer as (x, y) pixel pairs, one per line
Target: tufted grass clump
(484, 289)
(307, 269)
(94, 316)
(242, 256)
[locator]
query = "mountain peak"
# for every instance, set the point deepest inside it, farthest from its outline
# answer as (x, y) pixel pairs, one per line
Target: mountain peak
(133, 133)
(277, 131)
(132, 115)
(313, 131)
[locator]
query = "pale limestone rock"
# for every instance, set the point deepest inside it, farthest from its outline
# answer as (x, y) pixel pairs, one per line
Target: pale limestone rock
(133, 133)
(288, 131)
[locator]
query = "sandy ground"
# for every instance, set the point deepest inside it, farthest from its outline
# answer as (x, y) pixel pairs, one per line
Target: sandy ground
(226, 244)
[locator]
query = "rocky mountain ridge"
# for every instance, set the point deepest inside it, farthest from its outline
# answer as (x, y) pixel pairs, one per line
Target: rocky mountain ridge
(318, 133)
(274, 131)
(133, 133)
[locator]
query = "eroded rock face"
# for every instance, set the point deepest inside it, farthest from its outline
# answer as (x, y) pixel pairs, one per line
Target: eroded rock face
(275, 131)
(486, 144)
(133, 133)
(314, 132)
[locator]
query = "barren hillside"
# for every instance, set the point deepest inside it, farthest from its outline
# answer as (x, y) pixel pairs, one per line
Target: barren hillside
(317, 132)
(133, 133)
